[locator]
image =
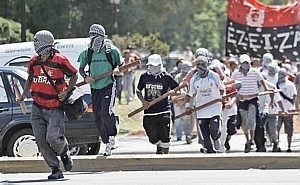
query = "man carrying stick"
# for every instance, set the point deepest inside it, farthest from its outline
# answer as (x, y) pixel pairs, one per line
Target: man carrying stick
(248, 103)
(157, 118)
(207, 86)
(103, 58)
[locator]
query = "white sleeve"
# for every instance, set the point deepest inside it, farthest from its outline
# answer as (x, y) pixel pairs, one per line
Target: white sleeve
(191, 90)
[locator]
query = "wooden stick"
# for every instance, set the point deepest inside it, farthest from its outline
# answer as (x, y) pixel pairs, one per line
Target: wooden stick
(269, 92)
(184, 84)
(121, 68)
(259, 94)
(206, 105)
(281, 114)
(198, 108)
(19, 96)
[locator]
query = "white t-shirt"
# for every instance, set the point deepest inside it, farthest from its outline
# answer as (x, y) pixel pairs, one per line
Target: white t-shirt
(233, 110)
(289, 89)
(276, 99)
(207, 89)
(249, 82)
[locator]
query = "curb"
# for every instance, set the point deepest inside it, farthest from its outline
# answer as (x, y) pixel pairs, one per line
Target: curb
(159, 162)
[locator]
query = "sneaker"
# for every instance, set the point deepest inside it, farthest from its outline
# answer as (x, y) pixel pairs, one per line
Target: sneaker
(216, 144)
(289, 150)
(109, 146)
(261, 149)
(56, 174)
(67, 161)
(189, 140)
(159, 150)
(247, 147)
(179, 139)
(114, 143)
(203, 150)
(227, 146)
(276, 148)
(194, 136)
(107, 150)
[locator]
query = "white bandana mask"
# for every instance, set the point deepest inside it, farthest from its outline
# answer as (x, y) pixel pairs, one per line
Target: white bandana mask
(156, 71)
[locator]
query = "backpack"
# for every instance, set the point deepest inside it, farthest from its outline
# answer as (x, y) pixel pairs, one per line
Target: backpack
(108, 56)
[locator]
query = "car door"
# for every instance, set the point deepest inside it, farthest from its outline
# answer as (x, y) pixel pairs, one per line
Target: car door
(13, 78)
(6, 107)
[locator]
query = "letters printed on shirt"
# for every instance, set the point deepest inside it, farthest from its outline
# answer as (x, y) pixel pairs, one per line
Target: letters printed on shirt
(42, 78)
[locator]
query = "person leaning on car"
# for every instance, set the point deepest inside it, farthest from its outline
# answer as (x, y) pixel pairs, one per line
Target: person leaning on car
(47, 116)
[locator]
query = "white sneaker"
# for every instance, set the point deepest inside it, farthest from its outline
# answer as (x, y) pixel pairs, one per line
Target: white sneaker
(114, 143)
(109, 146)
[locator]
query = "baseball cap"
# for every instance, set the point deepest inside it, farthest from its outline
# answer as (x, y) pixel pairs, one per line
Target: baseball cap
(245, 58)
(201, 60)
(268, 58)
(232, 60)
(154, 60)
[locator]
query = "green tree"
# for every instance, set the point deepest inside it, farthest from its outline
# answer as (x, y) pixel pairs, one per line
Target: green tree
(10, 31)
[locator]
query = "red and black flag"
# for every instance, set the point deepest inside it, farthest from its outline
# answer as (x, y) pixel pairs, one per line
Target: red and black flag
(254, 28)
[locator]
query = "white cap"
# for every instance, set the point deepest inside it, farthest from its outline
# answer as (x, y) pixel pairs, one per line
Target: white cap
(154, 60)
(268, 58)
(245, 58)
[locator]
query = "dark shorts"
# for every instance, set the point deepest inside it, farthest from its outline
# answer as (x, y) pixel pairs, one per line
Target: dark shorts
(157, 128)
(231, 125)
(288, 124)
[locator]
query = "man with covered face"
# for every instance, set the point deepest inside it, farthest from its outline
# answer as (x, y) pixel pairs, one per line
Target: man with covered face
(206, 85)
(248, 98)
(157, 118)
(47, 116)
(289, 99)
(269, 104)
(103, 90)
(183, 124)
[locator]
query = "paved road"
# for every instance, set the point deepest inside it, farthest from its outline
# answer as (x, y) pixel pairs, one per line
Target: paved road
(252, 176)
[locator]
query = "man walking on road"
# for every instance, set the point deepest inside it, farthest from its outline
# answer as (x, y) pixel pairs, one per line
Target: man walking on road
(248, 103)
(207, 86)
(47, 116)
(102, 57)
(157, 118)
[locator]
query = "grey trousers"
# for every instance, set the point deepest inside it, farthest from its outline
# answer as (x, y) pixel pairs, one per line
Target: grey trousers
(272, 129)
(49, 129)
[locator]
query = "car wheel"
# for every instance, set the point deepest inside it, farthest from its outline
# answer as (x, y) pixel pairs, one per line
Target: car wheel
(74, 150)
(94, 148)
(90, 149)
(23, 144)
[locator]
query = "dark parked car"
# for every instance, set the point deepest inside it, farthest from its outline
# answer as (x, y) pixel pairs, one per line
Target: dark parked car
(16, 137)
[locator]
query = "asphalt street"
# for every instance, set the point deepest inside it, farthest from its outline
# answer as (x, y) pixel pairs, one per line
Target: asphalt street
(203, 177)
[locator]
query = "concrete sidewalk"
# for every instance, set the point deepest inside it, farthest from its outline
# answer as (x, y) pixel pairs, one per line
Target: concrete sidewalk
(141, 145)
(137, 154)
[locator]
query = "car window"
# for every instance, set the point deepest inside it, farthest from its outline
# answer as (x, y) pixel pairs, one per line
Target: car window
(3, 96)
(13, 79)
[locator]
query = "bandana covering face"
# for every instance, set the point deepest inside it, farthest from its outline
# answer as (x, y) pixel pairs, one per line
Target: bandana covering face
(42, 49)
(281, 78)
(202, 70)
(271, 72)
(97, 43)
(156, 71)
(245, 67)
